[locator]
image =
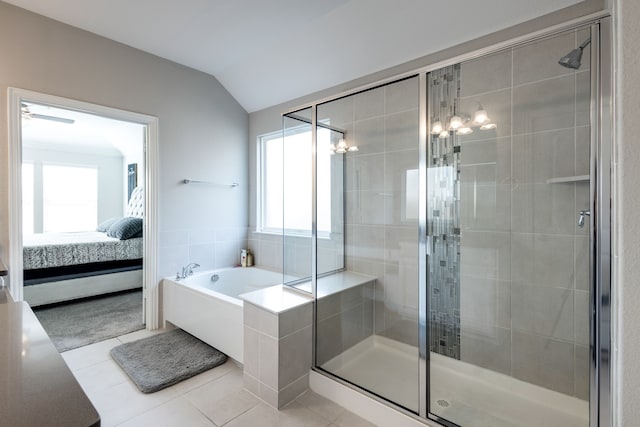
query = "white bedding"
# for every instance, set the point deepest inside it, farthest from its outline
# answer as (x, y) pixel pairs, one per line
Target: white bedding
(62, 249)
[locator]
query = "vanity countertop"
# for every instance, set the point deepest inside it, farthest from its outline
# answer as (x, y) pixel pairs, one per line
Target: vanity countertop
(36, 386)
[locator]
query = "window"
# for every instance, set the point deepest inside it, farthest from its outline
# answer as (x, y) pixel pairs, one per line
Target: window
(70, 198)
(285, 194)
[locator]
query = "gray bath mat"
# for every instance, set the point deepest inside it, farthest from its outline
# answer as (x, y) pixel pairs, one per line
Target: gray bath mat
(165, 359)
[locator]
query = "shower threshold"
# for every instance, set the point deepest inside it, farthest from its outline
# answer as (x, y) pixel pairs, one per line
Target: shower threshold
(460, 392)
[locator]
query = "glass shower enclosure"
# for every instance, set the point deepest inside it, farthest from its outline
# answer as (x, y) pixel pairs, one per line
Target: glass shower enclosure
(452, 248)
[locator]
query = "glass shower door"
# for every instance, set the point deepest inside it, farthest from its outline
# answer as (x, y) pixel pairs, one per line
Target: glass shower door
(367, 293)
(508, 286)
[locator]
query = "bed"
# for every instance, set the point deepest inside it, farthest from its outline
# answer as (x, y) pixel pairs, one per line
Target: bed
(64, 266)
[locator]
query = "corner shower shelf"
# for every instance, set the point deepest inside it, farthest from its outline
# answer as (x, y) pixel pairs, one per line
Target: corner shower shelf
(568, 179)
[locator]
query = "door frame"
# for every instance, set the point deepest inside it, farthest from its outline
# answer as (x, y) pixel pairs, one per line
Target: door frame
(15, 98)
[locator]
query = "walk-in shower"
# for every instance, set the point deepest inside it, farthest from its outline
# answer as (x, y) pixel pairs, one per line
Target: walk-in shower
(459, 212)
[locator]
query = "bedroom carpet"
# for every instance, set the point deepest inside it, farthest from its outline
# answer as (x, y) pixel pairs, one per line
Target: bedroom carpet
(165, 359)
(77, 324)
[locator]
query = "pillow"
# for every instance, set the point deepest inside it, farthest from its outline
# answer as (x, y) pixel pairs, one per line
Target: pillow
(126, 228)
(103, 227)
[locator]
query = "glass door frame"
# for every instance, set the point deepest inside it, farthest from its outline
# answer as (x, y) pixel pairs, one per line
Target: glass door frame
(600, 405)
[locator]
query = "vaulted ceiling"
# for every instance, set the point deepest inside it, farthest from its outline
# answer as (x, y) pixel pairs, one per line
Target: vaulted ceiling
(269, 51)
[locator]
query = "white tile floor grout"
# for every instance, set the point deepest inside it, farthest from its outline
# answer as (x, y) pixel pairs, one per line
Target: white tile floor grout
(213, 398)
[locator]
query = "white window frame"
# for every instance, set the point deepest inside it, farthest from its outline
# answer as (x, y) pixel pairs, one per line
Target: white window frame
(261, 183)
(261, 188)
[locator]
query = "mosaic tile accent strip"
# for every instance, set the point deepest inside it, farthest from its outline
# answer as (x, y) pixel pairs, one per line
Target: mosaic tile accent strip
(443, 215)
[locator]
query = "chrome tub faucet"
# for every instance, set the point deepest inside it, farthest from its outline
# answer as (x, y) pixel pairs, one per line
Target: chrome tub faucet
(187, 271)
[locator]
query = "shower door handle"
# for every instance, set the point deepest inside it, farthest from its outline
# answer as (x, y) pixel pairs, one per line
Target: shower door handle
(583, 213)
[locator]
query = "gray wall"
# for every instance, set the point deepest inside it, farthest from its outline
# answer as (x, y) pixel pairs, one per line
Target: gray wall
(202, 135)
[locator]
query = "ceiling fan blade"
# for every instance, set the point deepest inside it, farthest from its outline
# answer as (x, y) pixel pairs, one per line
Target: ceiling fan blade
(53, 118)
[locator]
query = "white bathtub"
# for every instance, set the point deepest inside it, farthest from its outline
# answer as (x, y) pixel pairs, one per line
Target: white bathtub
(212, 311)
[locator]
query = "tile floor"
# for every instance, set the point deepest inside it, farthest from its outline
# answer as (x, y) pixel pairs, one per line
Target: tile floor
(213, 398)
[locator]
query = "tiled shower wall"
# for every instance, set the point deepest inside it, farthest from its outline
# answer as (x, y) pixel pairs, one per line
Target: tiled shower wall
(524, 262)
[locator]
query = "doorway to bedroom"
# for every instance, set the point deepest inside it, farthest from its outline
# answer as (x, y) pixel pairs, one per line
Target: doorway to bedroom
(81, 229)
(82, 218)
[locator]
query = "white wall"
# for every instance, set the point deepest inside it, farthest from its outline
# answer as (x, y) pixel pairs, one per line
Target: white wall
(110, 175)
(202, 129)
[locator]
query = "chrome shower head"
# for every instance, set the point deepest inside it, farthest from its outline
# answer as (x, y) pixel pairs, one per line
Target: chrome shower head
(573, 58)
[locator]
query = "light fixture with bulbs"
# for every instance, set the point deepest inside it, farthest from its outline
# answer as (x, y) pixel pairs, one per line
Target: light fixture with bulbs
(341, 147)
(455, 122)
(480, 117)
(462, 124)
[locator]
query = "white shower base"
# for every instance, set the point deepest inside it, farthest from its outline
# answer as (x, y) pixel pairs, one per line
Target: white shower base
(475, 396)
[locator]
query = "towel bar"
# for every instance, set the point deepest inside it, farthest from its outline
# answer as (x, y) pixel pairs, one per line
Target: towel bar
(193, 181)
